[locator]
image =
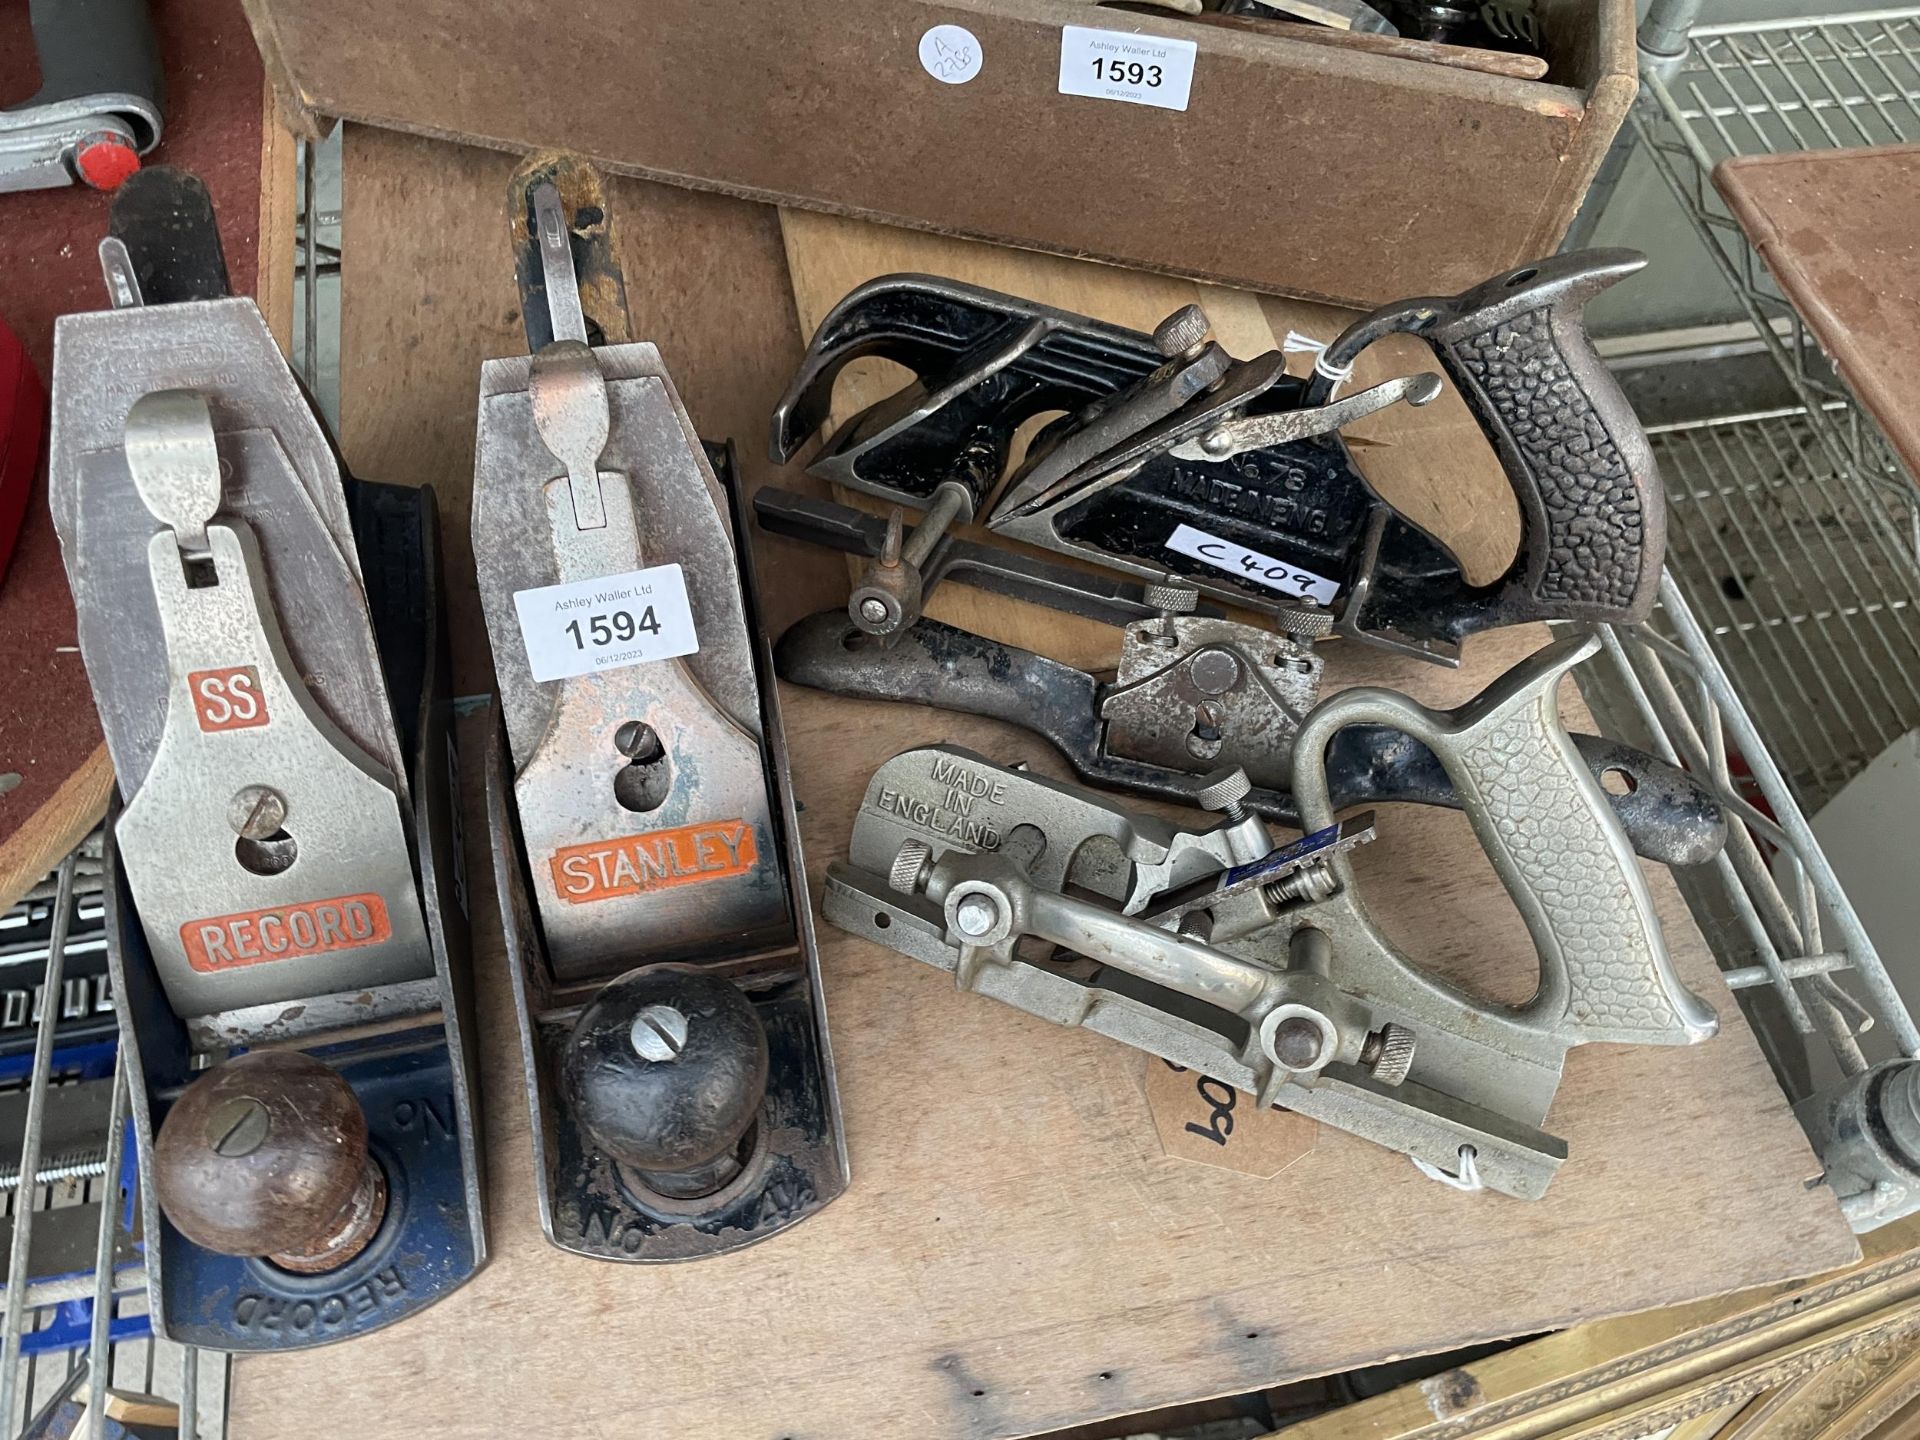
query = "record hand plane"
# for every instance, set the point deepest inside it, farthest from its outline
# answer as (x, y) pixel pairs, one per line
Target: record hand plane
(287, 936)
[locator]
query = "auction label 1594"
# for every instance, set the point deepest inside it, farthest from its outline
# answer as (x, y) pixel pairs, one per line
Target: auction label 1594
(605, 623)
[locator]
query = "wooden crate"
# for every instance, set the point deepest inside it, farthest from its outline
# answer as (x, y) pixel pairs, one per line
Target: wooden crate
(1299, 167)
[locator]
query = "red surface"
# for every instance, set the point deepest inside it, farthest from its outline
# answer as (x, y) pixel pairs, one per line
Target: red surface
(23, 428)
(105, 162)
(48, 267)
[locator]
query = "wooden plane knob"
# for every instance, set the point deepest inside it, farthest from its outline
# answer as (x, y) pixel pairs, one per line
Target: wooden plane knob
(666, 1069)
(266, 1154)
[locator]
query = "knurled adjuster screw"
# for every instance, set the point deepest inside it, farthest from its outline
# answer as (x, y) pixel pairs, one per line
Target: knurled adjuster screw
(1183, 334)
(1388, 1053)
(1223, 790)
(910, 867)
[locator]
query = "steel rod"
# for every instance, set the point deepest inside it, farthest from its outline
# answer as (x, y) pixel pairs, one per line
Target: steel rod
(1733, 715)
(1737, 893)
(1801, 22)
(100, 1346)
(310, 265)
(1748, 977)
(190, 1393)
(18, 1261)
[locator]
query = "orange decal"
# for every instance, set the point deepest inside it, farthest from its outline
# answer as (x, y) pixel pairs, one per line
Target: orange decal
(633, 864)
(285, 932)
(227, 699)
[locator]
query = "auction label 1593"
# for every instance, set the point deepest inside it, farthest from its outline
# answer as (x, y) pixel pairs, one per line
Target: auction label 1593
(1120, 65)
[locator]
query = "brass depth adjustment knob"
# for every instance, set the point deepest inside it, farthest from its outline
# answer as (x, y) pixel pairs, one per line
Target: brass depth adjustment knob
(266, 1154)
(666, 1069)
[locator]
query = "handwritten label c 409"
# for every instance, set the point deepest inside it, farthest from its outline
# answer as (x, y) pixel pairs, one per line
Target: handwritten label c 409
(606, 623)
(1238, 560)
(1121, 65)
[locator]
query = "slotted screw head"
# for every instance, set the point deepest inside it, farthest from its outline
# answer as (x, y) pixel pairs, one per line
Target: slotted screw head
(637, 740)
(1185, 329)
(1222, 789)
(238, 1126)
(257, 812)
(659, 1033)
(909, 866)
(1171, 599)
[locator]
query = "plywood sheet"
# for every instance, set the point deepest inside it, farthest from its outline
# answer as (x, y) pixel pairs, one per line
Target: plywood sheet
(1016, 1253)
(1840, 230)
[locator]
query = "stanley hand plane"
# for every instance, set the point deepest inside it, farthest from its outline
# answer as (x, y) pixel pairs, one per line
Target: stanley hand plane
(1260, 966)
(646, 852)
(1172, 457)
(286, 928)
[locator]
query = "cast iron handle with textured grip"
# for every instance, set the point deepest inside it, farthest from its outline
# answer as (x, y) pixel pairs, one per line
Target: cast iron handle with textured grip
(1546, 825)
(1515, 346)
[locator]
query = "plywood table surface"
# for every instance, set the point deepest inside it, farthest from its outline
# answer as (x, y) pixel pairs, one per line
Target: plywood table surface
(1016, 1253)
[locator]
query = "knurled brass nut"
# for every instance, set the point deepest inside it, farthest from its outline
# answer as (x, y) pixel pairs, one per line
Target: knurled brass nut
(1303, 624)
(1388, 1053)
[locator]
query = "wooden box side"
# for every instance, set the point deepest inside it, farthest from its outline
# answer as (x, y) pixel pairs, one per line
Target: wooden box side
(1297, 168)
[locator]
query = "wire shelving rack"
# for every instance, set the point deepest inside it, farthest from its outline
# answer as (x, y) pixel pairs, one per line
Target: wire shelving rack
(1796, 534)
